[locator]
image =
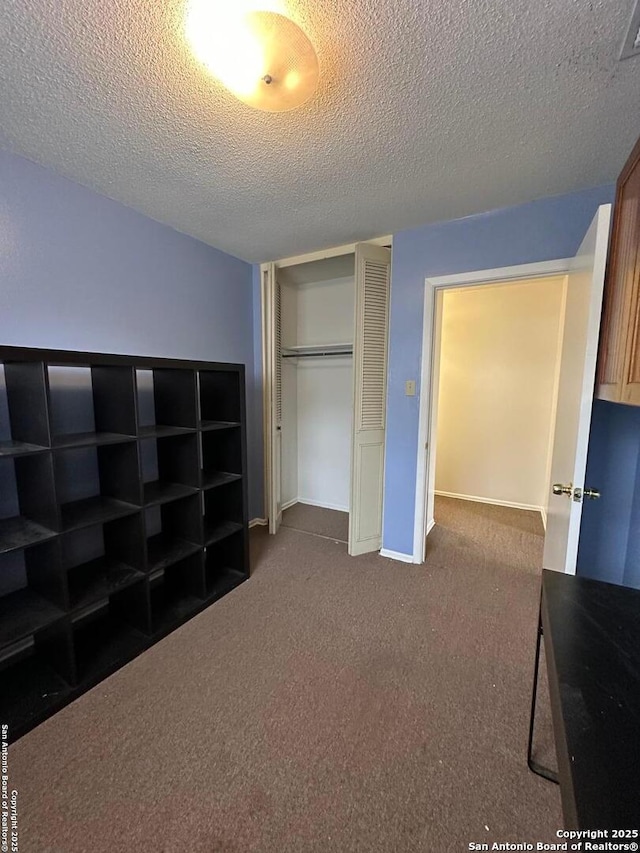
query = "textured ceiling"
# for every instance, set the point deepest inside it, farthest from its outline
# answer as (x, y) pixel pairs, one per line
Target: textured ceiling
(426, 110)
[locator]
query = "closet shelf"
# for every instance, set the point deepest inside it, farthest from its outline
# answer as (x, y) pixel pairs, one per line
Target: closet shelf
(317, 350)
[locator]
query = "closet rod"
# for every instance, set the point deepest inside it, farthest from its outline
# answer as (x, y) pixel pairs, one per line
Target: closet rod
(315, 354)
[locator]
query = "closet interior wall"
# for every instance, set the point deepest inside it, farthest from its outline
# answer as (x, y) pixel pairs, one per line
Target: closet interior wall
(317, 392)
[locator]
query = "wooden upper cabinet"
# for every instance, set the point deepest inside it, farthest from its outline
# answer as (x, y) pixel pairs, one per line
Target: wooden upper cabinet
(618, 377)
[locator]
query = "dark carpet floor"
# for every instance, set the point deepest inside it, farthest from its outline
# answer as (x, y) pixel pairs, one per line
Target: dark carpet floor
(314, 519)
(328, 704)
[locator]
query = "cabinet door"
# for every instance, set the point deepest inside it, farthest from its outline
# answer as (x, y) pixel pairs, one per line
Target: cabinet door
(619, 357)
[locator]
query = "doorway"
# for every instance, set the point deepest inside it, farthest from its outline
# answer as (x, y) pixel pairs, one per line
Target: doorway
(497, 376)
(583, 302)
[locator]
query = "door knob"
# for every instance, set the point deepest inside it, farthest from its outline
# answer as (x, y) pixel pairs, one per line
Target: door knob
(591, 494)
(559, 489)
(576, 494)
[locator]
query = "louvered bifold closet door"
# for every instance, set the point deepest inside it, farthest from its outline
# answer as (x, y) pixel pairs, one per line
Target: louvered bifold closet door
(370, 391)
(273, 301)
(277, 373)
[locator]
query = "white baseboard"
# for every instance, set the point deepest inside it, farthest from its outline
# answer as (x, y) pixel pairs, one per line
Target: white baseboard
(289, 503)
(492, 501)
(396, 555)
(543, 513)
(430, 525)
(258, 522)
(309, 502)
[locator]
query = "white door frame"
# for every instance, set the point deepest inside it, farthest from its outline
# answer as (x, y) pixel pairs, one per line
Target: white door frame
(267, 378)
(267, 382)
(425, 471)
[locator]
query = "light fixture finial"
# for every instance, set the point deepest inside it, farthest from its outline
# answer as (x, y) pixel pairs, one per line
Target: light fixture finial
(263, 57)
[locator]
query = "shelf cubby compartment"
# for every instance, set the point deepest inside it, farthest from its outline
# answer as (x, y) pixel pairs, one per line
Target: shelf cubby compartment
(103, 559)
(170, 468)
(167, 401)
(97, 484)
(174, 531)
(28, 505)
(91, 405)
(225, 565)
(36, 673)
(24, 410)
(221, 401)
(221, 457)
(223, 512)
(33, 592)
(111, 632)
(177, 592)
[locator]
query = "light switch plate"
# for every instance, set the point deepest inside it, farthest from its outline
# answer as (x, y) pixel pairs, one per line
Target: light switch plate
(410, 388)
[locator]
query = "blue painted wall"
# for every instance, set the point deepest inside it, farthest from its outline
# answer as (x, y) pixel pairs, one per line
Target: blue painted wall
(257, 424)
(609, 548)
(539, 231)
(80, 271)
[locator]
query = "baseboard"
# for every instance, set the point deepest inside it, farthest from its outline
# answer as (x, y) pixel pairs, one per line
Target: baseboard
(322, 505)
(430, 525)
(492, 501)
(258, 522)
(289, 504)
(543, 513)
(396, 555)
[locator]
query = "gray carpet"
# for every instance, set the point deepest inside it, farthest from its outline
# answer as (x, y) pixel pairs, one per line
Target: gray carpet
(328, 704)
(313, 519)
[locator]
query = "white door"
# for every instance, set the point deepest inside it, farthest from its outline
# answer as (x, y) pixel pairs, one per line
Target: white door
(273, 306)
(575, 396)
(369, 391)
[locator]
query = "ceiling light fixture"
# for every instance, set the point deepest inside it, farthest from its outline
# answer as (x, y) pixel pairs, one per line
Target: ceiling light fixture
(262, 57)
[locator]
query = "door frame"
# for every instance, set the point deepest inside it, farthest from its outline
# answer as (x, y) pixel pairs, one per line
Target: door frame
(430, 362)
(267, 389)
(267, 373)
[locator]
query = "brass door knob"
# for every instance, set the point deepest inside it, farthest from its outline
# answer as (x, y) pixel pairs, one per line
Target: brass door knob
(592, 494)
(559, 489)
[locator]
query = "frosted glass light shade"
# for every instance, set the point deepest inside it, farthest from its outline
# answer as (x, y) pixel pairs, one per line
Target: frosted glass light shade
(262, 57)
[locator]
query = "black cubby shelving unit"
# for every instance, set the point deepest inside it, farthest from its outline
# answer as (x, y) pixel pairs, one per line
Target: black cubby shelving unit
(123, 513)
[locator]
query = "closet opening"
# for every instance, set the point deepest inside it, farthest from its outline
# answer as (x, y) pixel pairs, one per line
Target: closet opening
(326, 324)
(318, 305)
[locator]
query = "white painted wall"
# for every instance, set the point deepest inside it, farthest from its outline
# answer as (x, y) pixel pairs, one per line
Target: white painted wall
(325, 394)
(326, 311)
(498, 386)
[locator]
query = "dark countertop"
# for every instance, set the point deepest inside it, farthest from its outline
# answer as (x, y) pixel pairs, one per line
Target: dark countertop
(592, 646)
